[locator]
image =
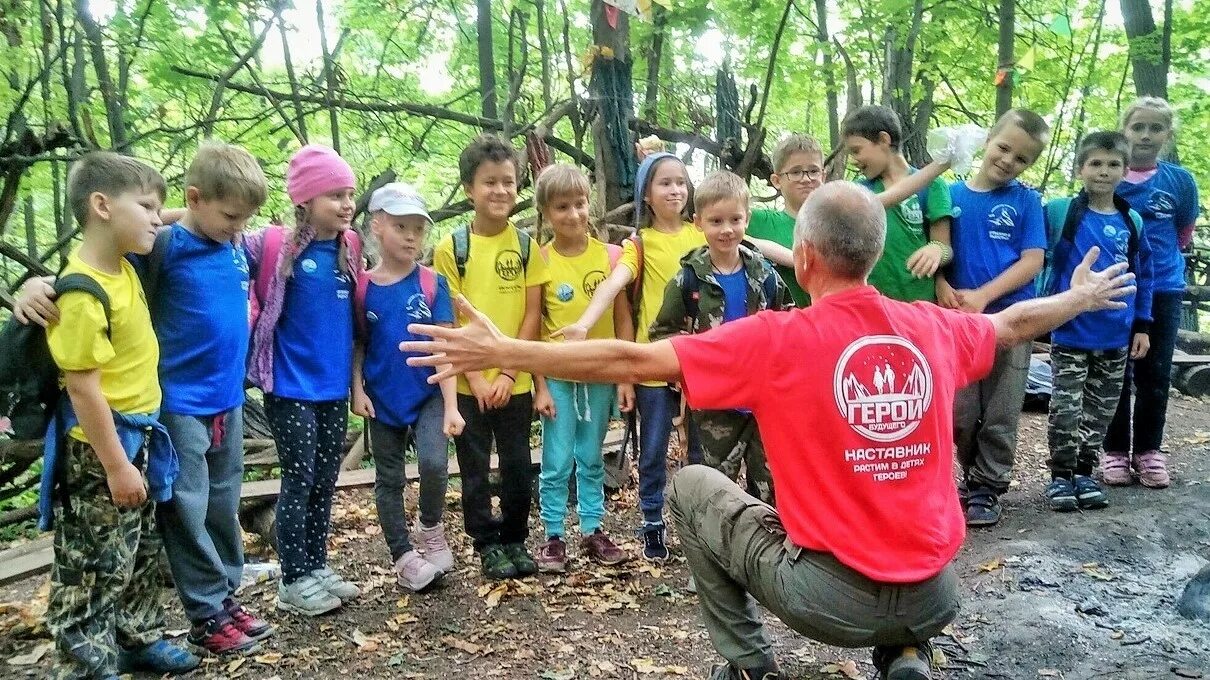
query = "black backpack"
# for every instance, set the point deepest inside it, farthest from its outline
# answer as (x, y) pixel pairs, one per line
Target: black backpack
(29, 378)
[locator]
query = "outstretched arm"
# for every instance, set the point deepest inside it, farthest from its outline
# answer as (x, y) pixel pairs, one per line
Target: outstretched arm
(478, 344)
(602, 299)
(911, 184)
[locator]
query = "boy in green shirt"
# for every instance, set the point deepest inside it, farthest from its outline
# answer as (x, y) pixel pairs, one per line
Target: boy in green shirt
(917, 238)
(798, 165)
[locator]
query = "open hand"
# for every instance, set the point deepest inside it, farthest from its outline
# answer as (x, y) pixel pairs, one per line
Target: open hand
(925, 261)
(1103, 289)
(473, 347)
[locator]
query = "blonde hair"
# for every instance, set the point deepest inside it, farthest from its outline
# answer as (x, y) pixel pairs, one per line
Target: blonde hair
(222, 171)
(720, 185)
(792, 145)
(1157, 104)
(111, 174)
(560, 179)
(1027, 121)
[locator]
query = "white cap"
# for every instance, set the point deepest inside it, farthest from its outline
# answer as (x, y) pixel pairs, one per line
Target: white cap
(399, 199)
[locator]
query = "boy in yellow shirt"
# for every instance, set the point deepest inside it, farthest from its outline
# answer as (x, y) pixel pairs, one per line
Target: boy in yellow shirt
(106, 448)
(498, 269)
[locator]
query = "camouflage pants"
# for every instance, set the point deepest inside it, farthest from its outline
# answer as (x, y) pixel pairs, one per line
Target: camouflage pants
(730, 439)
(1087, 385)
(105, 582)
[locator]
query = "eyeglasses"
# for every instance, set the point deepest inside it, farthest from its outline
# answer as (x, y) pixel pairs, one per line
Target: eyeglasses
(797, 175)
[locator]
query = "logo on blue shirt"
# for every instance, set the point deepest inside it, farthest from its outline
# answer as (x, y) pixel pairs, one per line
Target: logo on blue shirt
(564, 292)
(308, 265)
(1161, 204)
(1001, 221)
(417, 308)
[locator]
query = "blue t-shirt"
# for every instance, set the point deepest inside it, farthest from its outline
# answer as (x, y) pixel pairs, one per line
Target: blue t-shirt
(990, 231)
(1107, 328)
(200, 314)
(396, 389)
(735, 294)
(1167, 201)
(313, 346)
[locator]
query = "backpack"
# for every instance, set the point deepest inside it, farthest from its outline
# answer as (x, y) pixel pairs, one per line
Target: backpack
(155, 263)
(691, 287)
(462, 249)
(428, 286)
(615, 254)
(29, 377)
(634, 292)
(1061, 224)
(274, 241)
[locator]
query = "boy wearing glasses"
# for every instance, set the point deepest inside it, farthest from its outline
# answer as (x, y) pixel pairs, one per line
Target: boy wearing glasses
(798, 165)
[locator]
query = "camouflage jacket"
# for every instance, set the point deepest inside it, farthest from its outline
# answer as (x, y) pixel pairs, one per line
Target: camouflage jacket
(673, 318)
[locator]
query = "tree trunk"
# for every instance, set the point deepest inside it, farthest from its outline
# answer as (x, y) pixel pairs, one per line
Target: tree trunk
(109, 95)
(829, 75)
(612, 93)
(654, 56)
(329, 73)
(487, 59)
(897, 85)
(1008, 21)
(1147, 54)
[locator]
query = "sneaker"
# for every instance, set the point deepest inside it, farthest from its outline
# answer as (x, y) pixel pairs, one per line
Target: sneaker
(495, 563)
(1152, 467)
(521, 559)
(436, 549)
(160, 657)
(252, 626)
(306, 596)
(1089, 494)
(336, 585)
(220, 637)
(1115, 468)
(1061, 495)
(728, 671)
(598, 547)
(964, 494)
(552, 556)
(655, 542)
(982, 507)
(904, 663)
(415, 572)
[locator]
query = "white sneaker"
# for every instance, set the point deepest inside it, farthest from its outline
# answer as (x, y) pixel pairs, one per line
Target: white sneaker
(334, 584)
(415, 573)
(436, 549)
(306, 596)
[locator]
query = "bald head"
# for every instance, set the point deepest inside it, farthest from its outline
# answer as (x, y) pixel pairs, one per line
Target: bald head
(846, 225)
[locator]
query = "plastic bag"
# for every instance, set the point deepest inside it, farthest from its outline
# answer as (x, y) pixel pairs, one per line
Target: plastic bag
(958, 145)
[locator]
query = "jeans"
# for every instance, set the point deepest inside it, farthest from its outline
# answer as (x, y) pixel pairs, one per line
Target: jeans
(657, 407)
(509, 427)
(1151, 377)
(388, 445)
(573, 438)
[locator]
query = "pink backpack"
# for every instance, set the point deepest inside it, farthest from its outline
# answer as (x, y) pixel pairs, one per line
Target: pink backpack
(274, 241)
(428, 286)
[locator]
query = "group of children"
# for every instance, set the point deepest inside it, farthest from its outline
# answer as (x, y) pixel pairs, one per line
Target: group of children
(156, 386)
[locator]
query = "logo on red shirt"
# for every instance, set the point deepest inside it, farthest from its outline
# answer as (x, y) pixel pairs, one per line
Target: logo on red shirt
(883, 386)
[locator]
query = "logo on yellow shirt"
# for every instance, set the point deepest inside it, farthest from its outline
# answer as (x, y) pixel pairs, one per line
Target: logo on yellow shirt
(508, 265)
(591, 280)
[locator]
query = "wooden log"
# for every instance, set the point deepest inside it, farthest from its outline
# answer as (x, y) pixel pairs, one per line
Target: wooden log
(1193, 343)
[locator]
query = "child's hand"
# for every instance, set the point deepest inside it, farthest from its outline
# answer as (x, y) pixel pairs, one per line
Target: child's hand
(946, 296)
(362, 405)
(626, 398)
(972, 301)
(35, 302)
(453, 423)
(572, 333)
(480, 389)
(126, 486)
(500, 392)
(926, 261)
(1140, 345)
(544, 405)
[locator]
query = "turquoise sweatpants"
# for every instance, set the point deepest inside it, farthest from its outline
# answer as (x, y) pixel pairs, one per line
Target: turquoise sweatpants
(574, 437)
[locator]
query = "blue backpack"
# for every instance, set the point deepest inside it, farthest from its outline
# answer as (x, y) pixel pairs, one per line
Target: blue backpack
(1063, 217)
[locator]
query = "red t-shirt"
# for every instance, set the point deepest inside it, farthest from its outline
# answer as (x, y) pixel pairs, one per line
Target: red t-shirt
(854, 399)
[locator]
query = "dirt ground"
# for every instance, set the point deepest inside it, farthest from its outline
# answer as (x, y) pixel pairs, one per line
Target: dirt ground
(1086, 595)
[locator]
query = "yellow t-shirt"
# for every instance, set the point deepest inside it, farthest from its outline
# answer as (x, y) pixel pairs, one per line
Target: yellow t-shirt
(495, 284)
(573, 280)
(662, 255)
(128, 358)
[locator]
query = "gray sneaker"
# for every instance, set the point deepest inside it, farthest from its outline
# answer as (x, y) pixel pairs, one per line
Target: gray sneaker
(333, 583)
(414, 572)
(306, 596)
(436, 548)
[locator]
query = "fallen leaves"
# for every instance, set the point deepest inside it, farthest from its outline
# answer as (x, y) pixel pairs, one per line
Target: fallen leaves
(649, 667)
(846, 668)
(365, 643)
(463, 645)
(1095, 570)
(992, 565)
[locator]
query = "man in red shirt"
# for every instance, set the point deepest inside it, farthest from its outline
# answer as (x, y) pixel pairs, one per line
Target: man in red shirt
(854, 399)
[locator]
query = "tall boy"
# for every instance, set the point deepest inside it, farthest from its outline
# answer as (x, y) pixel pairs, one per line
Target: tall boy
(500, 271)
(1088, 354)
(917, 235)
(798, 170)
(717, 283)
(108, 449)
(999, 241)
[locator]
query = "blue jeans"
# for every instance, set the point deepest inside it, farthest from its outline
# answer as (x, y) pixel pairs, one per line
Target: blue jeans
(657, 407)
(574, 437)
(1151, 377)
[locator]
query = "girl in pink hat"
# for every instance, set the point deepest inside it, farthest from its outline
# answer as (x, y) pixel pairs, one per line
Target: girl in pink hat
(301, 357)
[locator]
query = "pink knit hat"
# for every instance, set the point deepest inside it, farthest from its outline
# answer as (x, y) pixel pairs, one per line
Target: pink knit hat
(316, 170)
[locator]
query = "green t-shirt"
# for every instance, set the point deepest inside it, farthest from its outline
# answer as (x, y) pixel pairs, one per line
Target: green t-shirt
(905, 234)
(778, 227)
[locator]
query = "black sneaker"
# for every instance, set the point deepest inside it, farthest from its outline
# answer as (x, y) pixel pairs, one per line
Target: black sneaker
(1089, 493)
(982, 507)
(1061, 495)
(496, 564)
(904, 663)
(728, 671)
(522, 561)
(655, 542)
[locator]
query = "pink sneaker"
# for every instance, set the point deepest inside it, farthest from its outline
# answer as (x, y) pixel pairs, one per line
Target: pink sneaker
(1152, 467)
(1115, 468)
(416, 573)
(436, 548)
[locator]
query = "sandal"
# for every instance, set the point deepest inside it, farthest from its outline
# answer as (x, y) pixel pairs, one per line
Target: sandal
(1152, 467)
(1115, 469)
